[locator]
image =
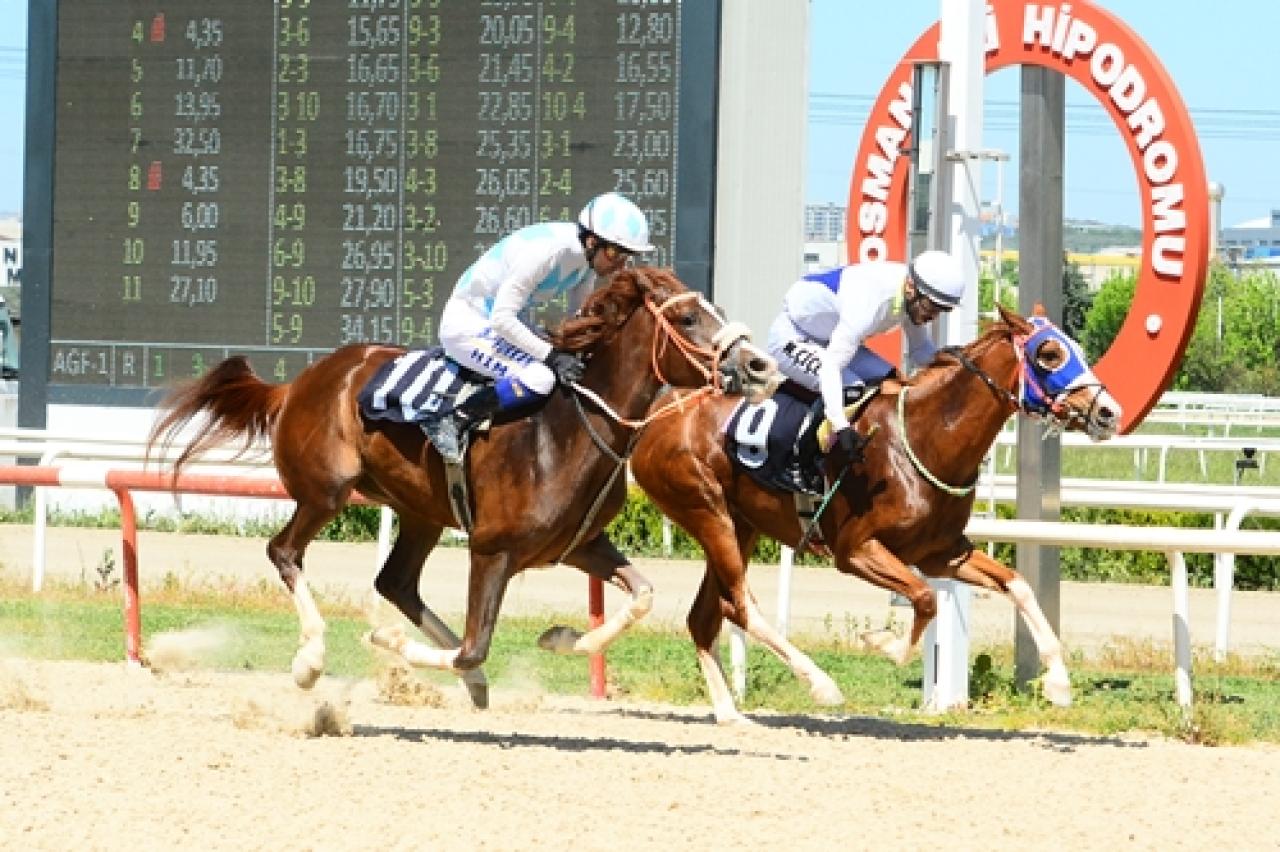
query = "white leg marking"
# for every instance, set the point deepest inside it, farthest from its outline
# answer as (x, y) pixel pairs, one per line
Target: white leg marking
(726, 712)
(414, 653)
(821, 687)
(308, 662)
(601, 637)
(1056, 680)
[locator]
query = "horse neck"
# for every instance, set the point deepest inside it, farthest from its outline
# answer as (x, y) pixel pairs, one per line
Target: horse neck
(622, 371)
(958, 416)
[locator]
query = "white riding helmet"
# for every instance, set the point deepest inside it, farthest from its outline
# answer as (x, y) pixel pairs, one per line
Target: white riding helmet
(616, 219)
(938, 276)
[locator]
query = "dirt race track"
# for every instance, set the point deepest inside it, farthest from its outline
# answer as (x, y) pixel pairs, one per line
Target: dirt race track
(105, 757)
(97, 756)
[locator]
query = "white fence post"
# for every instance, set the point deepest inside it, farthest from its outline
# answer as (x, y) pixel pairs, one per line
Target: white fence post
(946, 648)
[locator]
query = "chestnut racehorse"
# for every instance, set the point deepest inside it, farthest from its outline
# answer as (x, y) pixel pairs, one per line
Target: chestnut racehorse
(907, 504)
(542, 487)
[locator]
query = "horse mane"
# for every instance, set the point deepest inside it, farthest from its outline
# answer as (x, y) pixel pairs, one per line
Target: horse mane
(993, 331)
(607, 309)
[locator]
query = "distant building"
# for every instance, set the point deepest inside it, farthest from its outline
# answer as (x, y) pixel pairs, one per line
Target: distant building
(824, 223)
(10, 262)
(1253, 243)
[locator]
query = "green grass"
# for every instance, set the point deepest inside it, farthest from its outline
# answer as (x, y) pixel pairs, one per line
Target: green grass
(1130, 691)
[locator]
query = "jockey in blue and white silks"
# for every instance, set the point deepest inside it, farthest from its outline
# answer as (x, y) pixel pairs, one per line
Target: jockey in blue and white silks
(818, 338)
(481, 327)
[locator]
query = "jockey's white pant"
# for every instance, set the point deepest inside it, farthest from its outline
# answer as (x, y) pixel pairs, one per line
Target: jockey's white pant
(799, 357)
(469, 339)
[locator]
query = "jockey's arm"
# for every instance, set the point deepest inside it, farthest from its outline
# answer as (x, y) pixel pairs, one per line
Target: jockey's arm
(512, 297)
(845, 340)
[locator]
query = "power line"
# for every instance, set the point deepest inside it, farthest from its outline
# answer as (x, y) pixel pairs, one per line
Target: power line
(1087, 119)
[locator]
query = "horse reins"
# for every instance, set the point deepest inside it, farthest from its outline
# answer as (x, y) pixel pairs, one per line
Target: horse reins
(666, 332)
(1053, 413)
(728, 334)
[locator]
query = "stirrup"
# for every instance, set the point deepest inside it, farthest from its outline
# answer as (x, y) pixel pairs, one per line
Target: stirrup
(447, 438)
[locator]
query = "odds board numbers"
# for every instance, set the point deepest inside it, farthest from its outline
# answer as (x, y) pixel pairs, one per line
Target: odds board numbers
(280, 179)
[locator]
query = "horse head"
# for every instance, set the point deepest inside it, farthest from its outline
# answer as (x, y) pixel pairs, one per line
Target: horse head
(1056, 384)
(689, 343)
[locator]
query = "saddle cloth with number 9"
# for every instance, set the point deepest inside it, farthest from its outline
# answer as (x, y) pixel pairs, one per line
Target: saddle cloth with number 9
(762, 440)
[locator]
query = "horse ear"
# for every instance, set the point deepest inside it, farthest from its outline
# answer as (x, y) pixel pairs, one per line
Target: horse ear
(1039, 311)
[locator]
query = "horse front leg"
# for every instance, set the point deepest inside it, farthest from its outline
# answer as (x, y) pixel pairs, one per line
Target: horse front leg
(398, 582)
(874, 563)
(981, 570)
(600, 558)
(485, 587)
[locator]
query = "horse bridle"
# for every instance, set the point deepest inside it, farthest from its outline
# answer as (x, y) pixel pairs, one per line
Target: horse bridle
(664, 332)
(1051, 411)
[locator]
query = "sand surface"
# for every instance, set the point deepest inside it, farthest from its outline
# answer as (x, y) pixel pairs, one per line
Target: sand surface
(101, 756)
(96, 756)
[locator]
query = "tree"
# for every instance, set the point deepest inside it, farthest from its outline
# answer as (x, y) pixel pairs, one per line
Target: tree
(1076, 300)
(1107, 313)
(1234, 345)
(1008, 289)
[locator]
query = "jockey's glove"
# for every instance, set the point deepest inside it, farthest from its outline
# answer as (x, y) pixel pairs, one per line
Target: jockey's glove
(849, 447)
(566, 365)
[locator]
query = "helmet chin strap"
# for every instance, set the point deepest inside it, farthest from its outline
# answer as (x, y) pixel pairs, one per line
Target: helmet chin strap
(590, 251)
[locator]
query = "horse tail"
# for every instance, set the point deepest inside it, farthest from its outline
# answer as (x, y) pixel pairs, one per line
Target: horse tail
(235, 404)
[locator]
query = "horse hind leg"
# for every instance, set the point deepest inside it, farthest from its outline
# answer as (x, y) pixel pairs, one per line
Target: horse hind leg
(600, 558)
(285, 550)
(981, 570)
(822, 688)
(397, 582)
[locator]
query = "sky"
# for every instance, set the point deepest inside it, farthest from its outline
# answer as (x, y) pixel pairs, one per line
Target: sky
(1221, 62)
(1220, 56)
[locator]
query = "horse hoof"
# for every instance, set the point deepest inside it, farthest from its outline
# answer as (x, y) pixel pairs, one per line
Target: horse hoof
(826, 694)
(479, 693)
(736, 720)
(386, 638)
(304, 674)
(1059, 695)
(308, 663)
(559, 639)
(883, 642)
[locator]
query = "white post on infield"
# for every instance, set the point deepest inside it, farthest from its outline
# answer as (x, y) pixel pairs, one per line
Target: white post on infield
(961, 45)
(946, 648)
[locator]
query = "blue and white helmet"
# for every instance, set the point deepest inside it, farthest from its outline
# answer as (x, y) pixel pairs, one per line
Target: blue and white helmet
(938, 276)
(618, 220)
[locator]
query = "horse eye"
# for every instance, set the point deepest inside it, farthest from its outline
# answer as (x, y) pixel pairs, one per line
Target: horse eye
(1051, 355)
(689, 320)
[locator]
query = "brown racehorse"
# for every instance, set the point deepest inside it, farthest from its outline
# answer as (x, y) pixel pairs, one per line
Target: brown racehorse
(542, 487)
(907, 504)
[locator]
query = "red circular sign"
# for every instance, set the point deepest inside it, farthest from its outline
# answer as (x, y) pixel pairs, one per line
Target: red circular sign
(1109, 60)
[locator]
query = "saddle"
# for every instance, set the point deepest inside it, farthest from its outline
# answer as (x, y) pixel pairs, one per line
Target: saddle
(780, 442)
(422, 386)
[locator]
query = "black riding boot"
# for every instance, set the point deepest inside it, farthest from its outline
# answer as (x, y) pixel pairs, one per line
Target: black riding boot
(447, 432)
(808, 454)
